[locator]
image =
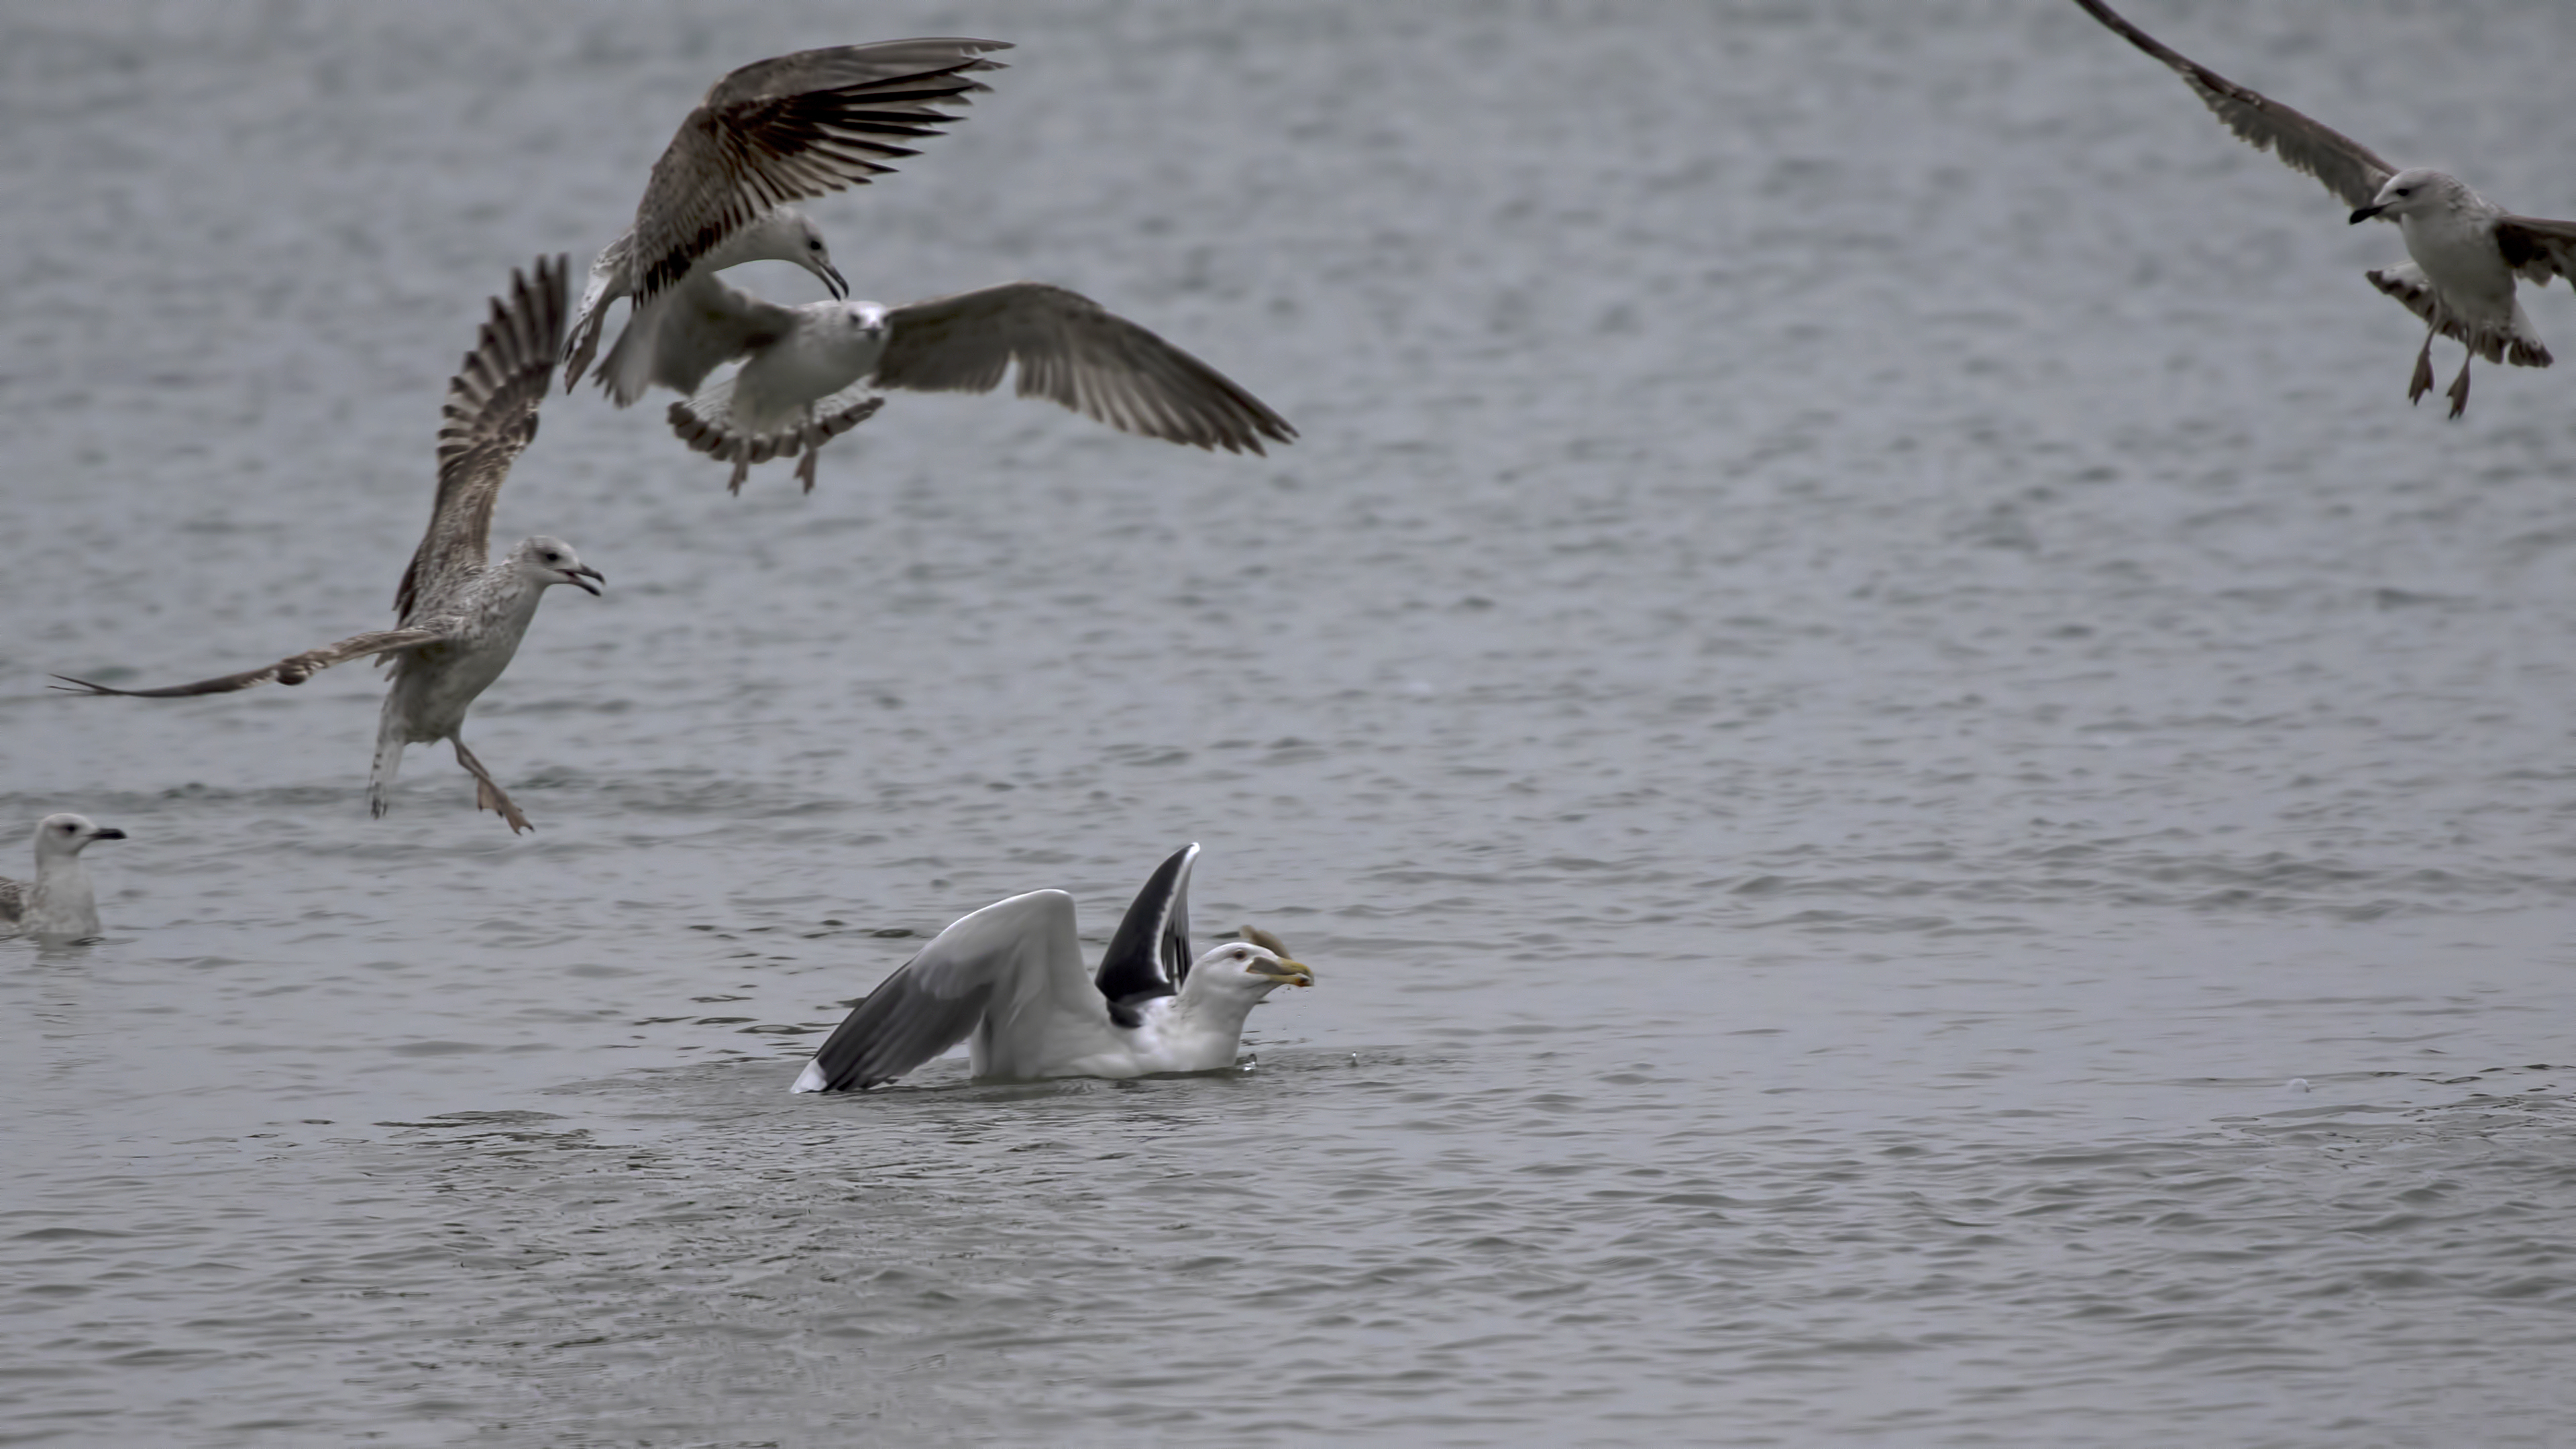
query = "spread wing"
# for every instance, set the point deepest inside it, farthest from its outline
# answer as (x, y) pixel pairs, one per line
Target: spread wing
(792, 127)
(295, 669)
(2537, 248)
(2348, 168)
(489, 419)
(1074, 352)
(1005, 970)
(1150, 956)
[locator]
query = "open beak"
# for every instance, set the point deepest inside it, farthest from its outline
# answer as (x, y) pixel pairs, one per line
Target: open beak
(1292, 973)
(831, 276)
(581, 578)
(2361, 214)
(109, 833)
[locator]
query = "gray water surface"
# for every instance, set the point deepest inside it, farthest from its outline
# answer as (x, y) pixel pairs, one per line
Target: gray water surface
(1860, 660)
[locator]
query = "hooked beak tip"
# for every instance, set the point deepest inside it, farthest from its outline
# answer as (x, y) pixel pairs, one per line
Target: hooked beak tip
(832, 279)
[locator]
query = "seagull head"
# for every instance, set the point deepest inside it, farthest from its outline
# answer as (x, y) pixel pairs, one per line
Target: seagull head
(1253, 966)
(791, 236)
(545, 562)
(2416, 189)
(68, 834)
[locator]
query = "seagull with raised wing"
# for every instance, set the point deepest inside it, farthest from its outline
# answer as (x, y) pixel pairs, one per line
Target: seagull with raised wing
(460, 615)
(58, 904)
(2467, 251)
(772, 133)
(1009, 981)
(813, 372)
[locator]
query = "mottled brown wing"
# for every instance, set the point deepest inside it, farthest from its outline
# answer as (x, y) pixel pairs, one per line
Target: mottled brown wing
(1072, 351)
(2348, 168)
(2538, 248)
(489, 419)
(294, 669)
(792, 127)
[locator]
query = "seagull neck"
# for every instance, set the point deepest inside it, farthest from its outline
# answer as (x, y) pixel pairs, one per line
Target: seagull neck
(1195, 1009)
(61, 902)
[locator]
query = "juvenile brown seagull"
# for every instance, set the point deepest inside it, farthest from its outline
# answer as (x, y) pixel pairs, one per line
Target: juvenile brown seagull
(2467, 251)
(769, 134)
(460, 615)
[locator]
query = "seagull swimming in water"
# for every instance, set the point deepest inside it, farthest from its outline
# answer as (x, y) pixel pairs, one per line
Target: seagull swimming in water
(814, 372)
(2467, 251)
(460, 615)
(769, 134)
(1009, 979)
(58, 904)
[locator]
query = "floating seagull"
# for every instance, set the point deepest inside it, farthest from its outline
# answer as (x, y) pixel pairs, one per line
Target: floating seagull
(774, 132)
(2466, 250)
(813, 372)
(58, 904)
(460, 615)
(1010, 977)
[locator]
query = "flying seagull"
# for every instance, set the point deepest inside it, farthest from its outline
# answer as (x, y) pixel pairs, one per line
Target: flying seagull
(58, 904)
(813, 372)
(774, 132)
(1010, 979)
(459, 615)
(2467, 251)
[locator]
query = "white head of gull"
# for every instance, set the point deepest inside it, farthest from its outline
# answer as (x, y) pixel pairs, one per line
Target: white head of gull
(2467, 251)
(811, 373)
(1009, 981)
(774, 132)
(58, 904)
(460, 616)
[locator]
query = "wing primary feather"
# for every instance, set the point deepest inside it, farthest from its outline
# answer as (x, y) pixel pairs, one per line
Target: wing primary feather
(488, 419)
(2349, 169)
(1148, 956)
(294, 669)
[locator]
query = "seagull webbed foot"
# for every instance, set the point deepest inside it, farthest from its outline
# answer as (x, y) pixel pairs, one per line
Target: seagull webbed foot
(2422, 382)
(2459, 393)
(488, 796)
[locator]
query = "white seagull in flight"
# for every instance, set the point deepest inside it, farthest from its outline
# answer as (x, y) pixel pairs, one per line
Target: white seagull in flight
(814, 372)
(1009, 979)
(771, 133)
(460, 615)
(2467, 251)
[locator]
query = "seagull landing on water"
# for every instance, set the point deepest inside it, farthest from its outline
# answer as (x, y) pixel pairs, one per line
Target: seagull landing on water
(2467, 251)
(773, 132)
(1009, 979)
(460, 615)
(814, 372)
(58, 904)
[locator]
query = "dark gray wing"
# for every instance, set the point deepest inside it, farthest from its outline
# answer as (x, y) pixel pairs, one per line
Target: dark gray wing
(2537, 248)
(2348, 168)
(792, 127)
(294, 669)
(1072, 351)
(489, 419)
(1007, 957)
(1150, 956)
